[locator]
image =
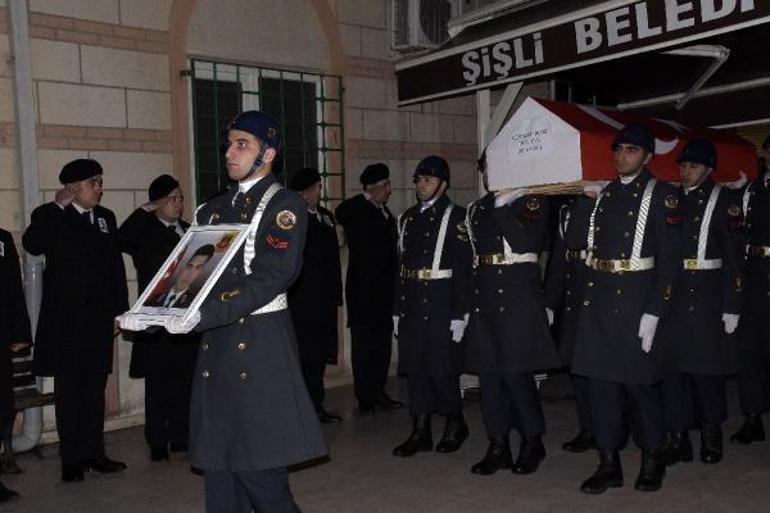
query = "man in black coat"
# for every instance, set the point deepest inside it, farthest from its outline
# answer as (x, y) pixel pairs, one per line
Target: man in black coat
(697, 335)
(15, 335)
(563, 292)
(84, 288)
(431, 308)
(754, 328)
(165, 361)
(508, 337)
(370, 232)
(631, 233)
(317, 294)
(250, 414)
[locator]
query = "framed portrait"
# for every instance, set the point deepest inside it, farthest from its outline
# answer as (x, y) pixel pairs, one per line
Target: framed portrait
(187, 276)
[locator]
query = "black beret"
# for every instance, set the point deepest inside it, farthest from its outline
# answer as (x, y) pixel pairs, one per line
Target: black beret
(699, 151)
(206, 250)
(374, 173)
(636, 135)
(78, 170)
(304, 179)
(162, 187)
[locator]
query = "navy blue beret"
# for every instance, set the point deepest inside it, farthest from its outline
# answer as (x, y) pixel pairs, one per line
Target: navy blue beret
(260, 125)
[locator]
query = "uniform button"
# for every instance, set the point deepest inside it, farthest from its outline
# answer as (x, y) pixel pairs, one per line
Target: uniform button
(500, 272)
(630, 213)
(425, 301)
(569, 276)
(241, 320)
(241, 346)
(498, 237)
(234, 270)
(499, 291)
(476, 291)
(590, 284)
(569, 309)
(627, 235)
(618, 291)
(694, 237)
(244, 216)
(205, 374)
(205, 346)
(635, 195)
(244, 375)
(616, 311)
(622, 255)
(692, 291)
(502, 309)
(691, 309)
(696, 219)
(427, 234)
(586, 303)
(476, 310)
(424, 251)
(700, 202)
(425, 318)
(569, 292)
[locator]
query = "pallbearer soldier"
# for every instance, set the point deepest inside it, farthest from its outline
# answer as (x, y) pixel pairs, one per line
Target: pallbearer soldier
(563, 292)
(315, 296)
(631, 232)
(754, 332)
(431, 307)
(251, 416)
(700, 352)
(508, 336)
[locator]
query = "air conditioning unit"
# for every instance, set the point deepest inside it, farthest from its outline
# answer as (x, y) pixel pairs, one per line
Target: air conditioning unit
(422, 24)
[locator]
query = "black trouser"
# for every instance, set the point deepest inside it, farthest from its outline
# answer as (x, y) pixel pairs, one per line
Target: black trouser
(264, 491)
(582, 403)
(693, 401)
(510, 401)
(434, 394)
(313, 367)
(754, 352)
(79, 404)
(371, 346)
(611, 401)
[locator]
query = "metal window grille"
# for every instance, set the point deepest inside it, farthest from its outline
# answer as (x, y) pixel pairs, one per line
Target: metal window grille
(308, 106)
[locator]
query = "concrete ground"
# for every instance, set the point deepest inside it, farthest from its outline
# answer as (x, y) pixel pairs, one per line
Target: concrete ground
(362, 476)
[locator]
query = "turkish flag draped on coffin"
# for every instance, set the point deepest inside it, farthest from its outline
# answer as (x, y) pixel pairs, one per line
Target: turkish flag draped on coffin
(547, 142)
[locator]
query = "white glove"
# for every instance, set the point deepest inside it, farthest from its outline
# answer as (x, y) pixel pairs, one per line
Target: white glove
(549, 314)
(457, 327)
(177, 324)
(730, 321)
(395, 325)
(131, 322)
(506, 198)
(647, 327)
(593, 189)
(737, 184)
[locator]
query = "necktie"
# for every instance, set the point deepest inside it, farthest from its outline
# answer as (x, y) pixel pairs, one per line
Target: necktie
(87, 216)
(170, 300)
(172, 229)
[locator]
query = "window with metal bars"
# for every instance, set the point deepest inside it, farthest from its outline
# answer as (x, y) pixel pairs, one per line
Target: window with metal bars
(308, 107)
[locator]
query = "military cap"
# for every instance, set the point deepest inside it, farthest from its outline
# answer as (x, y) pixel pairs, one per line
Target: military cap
(636, 135)
(699, 151)
(78, 170)
(304, 179)
(374, 173)
(433, 165)
(260, 125)
(162, 187)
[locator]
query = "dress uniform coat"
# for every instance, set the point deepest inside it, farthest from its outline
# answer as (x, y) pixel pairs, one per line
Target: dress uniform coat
(508, 328)
(693, 334)
(84, 289)
(166, 361)
(608, 346)
(426, 307)
(14, 321)
(313, 301)
(250, 408)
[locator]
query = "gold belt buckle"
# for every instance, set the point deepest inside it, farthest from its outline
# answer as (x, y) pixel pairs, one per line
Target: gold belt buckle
(423, 274)
(691, 264)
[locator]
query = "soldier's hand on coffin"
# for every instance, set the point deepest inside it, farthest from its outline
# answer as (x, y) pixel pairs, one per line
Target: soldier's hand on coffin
(130, 322)
(549, 314)
(395, 325)
(731, 322)
(66, 194)
(737, 184)
(647, 327)
(178, 325)
(593, 189)
(508, 196)
(457, 327)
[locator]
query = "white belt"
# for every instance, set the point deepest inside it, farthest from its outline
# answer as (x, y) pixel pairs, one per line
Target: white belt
(278, 303)
(506, 259)
(621, 265)
(426, 274)
(694, 264)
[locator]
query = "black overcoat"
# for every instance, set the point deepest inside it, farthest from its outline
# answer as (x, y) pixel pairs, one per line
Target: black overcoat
(250, 408)
(84, 289)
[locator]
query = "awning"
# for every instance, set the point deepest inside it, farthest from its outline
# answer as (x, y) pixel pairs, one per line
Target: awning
(615, 47)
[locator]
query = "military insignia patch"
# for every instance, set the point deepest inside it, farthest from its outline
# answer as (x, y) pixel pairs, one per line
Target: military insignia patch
(734, 210)
(275, 242)
(462, 231)
(286, 220)
(102, 225)
(671, 201)
(533, 204)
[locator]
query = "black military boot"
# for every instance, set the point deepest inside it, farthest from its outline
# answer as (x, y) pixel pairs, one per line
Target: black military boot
(581, 443)
(752, 430)
(531, 453)
(678, 449)
(651, 472)
(455, 433)
(609, 474)
(498, 457)
(711, 444)
(421, 439)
